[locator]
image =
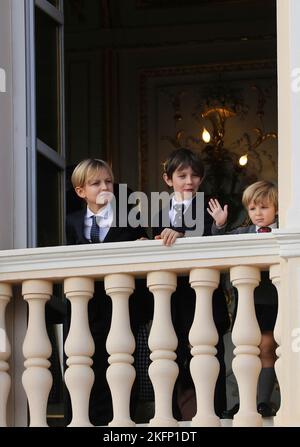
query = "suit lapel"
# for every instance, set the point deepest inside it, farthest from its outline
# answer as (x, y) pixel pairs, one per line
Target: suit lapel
(114, 231)
(79, 226)
(112, 235)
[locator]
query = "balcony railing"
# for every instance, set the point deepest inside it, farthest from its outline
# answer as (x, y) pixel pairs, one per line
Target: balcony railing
(77, 267)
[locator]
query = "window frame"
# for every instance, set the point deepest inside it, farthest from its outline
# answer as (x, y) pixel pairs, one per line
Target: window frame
(34, 144)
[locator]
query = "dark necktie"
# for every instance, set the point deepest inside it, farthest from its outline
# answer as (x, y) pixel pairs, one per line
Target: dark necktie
(264, 230)
(95, 231)
(178, 208)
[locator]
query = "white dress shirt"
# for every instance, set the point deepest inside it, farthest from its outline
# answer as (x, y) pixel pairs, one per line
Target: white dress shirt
(172, 212)
(104, 219)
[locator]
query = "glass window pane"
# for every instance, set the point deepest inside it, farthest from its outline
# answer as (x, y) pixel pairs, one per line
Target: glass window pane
(48, 203)
(47, 84)
(54, 2)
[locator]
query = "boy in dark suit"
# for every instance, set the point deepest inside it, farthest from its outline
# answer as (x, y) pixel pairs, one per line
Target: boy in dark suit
(184, 171)
(97, 222)
(261, 202)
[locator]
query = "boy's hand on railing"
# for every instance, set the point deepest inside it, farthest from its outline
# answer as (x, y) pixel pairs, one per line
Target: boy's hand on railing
(217, 212)
(169, 236)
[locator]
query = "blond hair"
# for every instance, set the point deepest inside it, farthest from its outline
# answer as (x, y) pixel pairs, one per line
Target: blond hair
(87, 169)
(259, 192)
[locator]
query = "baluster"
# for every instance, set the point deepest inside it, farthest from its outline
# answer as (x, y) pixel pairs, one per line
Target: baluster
(5, 380)
(203, 337)
(163, 370)
(37, 379)
(246, 337)
(79, 347)
(275, 277)
(120, 345)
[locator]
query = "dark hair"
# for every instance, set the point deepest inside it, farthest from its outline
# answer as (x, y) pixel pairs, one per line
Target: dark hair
(183, 158)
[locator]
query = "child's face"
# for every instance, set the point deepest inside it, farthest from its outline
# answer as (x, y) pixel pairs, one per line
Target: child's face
(184, 182)
(97, 190)
(262, 213)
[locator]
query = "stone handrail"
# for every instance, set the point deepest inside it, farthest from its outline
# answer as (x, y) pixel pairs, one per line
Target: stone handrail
(77, 266)
(139, 257)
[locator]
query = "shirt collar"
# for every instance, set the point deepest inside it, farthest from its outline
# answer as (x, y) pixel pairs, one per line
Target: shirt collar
(103, 212)
(185, 203)
(273, 225)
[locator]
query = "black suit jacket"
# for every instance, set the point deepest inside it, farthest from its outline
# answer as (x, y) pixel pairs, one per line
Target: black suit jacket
(75, 231)
(183, 309)
(156, 230)
(100, 305)
(100, 311)
(184, 298)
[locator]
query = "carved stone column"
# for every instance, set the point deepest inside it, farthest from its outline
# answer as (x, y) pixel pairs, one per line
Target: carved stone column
(37, 379)
(275, 277)
(120, 345)
(163, 370)
(203, 338)
(79, 347)
(246, 337)
(5, 380)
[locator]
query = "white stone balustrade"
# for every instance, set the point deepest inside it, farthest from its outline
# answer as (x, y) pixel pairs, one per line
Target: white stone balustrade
(78, 266)
(275, 277)
(79, 347)
(246, 337)
(37, 379)
(163, 370)
(5, 351)
(120, 345)
(203, 337)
